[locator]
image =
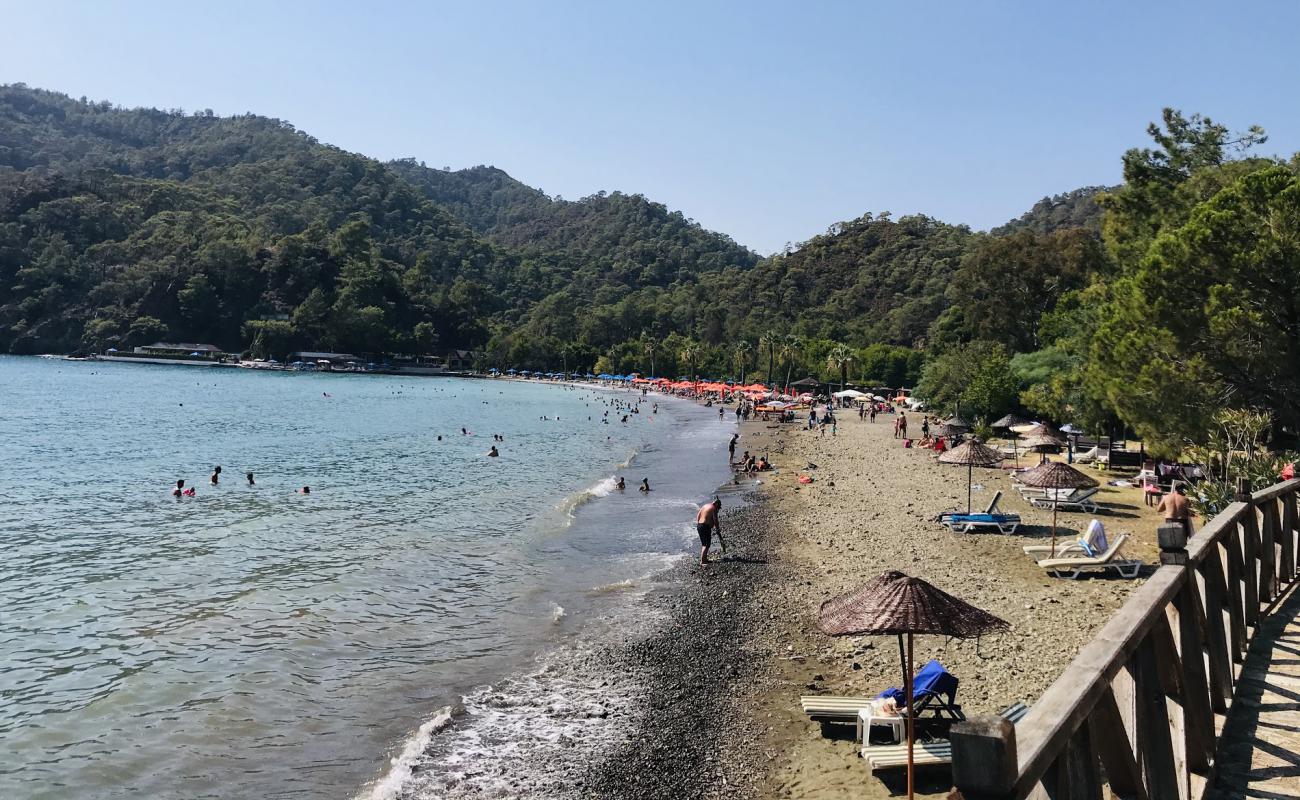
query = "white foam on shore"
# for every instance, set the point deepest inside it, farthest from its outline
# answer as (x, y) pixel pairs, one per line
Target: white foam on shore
(531, 736)
(601, 488)
(399, 771)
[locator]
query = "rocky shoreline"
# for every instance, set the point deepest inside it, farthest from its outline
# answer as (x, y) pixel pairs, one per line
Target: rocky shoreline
(689, 738)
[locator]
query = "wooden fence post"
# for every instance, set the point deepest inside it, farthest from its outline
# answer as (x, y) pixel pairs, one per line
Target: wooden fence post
(984, 763)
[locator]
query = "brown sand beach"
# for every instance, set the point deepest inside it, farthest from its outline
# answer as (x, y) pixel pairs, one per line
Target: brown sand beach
(745, 643)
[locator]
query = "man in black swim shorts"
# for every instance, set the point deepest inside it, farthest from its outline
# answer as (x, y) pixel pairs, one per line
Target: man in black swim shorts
(706, 522)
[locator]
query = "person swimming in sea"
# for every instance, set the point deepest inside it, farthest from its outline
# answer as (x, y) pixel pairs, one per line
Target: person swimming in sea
(493, 452)
(180, 488)
(251, 482)
(216, 475)
(645, 485)
(620, 485)
(305, 490)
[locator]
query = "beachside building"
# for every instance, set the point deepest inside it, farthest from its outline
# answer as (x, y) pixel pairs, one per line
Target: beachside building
(462, 360)
(179, 349)
(332, 359)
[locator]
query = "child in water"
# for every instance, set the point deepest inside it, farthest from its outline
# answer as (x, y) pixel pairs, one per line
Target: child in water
(645, 485)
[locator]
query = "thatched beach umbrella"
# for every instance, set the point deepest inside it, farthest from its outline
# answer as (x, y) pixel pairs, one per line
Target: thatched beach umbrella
(1042, 444)
(972, 454)
(1044, 429)
(1008, 424)
(1053, 475)
(1009, 421)
(895, 604)
(950, 431)
(957, 422)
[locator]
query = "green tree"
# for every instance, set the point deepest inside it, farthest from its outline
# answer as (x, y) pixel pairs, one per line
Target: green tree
(1208, 319)
(740, 357)
(839, 359)
(791, 346)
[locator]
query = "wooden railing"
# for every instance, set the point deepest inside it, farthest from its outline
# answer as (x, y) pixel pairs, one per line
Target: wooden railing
(1141, 708)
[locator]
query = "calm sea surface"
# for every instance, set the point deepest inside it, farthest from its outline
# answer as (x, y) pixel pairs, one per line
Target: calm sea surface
(253, 642)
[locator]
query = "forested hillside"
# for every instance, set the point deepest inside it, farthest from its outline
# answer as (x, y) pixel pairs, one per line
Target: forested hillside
(1076, 209)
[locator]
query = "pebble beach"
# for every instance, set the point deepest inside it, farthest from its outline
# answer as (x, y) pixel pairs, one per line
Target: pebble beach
(722, 717)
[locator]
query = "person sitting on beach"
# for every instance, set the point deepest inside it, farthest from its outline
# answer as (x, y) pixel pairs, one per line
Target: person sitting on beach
(764, 464)
(620, 485)
(216, 475)
(751, 465)
(251, 482)
(706, 522)
(180, 488)
(493, 452)
(645, 485)
(940, 445)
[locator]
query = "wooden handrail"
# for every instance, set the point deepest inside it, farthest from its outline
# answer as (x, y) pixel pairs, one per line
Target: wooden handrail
(1157, 673)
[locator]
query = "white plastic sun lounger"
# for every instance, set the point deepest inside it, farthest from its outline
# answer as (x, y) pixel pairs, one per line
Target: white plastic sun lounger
(1094, 535)
(1074, 566)
(1076, 501)
(894, 756)
(829, 708)
(1088, 457)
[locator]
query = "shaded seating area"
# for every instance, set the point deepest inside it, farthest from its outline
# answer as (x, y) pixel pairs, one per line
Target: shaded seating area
(1071, 500)
(935, 753)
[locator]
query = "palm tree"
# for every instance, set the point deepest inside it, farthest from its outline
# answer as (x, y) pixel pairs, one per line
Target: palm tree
(791, 345)
(771, 340)
(740, 357)
(649, 346)
(690, 352)
(840, 357)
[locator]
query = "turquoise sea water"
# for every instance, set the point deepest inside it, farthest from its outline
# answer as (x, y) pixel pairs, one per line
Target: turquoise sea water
(255, 642)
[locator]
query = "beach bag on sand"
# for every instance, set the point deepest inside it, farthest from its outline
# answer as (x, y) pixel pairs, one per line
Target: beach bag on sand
(907, 443)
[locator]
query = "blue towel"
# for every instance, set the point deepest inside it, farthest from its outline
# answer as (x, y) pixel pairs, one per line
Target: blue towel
(932, 679)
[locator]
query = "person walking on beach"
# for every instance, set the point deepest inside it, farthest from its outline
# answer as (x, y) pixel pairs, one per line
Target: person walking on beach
(706, 522)
(731, 448)
(902, 425)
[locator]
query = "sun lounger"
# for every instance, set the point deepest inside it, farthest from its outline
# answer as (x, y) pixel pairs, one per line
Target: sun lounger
(1073, 566)
(830, 708)
(1088, 457)
(934, 689)
(894, 756)
(959, 522)
(1080, 500)
(1092, 543)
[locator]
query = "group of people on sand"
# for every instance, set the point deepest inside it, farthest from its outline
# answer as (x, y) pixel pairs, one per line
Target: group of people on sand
(180, 490)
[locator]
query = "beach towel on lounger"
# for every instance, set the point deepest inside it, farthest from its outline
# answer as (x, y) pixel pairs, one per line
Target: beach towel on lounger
(932, 681)
(1094, 539)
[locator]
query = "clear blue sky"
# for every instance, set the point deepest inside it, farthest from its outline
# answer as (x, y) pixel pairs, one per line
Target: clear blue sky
(765, 120)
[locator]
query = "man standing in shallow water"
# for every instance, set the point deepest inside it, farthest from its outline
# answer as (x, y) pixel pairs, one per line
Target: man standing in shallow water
(706, 522)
